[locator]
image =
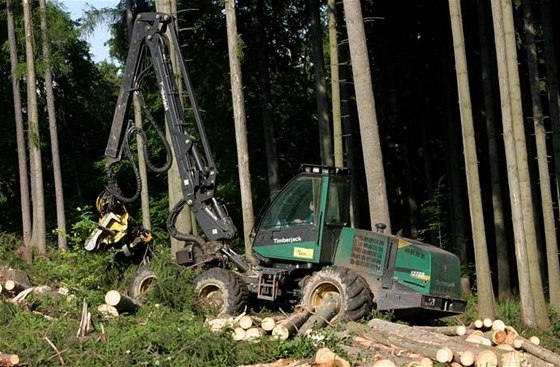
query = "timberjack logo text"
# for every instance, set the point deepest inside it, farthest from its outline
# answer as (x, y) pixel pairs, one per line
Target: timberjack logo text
(287, 240)
(163, 97)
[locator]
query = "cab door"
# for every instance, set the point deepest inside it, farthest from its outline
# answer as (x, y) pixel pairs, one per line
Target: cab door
(289, 229)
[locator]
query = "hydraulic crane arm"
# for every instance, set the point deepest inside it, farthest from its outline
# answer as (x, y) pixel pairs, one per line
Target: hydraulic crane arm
(152, 32)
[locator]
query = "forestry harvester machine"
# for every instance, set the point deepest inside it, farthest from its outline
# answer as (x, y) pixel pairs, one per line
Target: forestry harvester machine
(304, 249)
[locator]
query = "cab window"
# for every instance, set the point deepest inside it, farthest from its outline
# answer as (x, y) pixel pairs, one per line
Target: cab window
(295, 205)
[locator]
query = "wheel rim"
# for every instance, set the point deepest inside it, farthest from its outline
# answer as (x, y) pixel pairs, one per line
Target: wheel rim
(145, 285)
(324, 291)
(212, 295)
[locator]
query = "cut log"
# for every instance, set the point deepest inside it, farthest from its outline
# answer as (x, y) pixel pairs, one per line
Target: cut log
(477, 339)
(445, 330)
(268, 323)
(14, 286)
(511, 334)
(444, 355)
(288, 327)
(537, 350)
(17, 275)
(498, 325)
(401, 336)
(123, 303)
(9, 359)
(535, 340)
(325, 357)
(246, 322)
(487, 323)
(486, 358)
(107, 311)
(384, 363)
(496, 336)
(254, 333)
(419, 341)
(510, 359)
(220, 324)
(321, 317)
(239, 334)
(477, 324)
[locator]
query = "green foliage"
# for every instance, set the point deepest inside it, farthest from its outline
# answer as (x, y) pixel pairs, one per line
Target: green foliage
(434, 213)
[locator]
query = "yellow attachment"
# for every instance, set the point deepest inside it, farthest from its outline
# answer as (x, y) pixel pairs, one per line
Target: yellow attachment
(111, 229)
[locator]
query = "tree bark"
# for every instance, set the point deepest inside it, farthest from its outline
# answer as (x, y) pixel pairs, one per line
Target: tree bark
(369, 129)
(53, 130)
(486, 306)
(325, 140)
(121, 302)
(335, 86)
(240, 127)
(527, 304)
(553, 264)
(284, 329)
(321, 317)
(38, 234)
(502, 251)
(20, 135)
(554, 107)
(529, 225)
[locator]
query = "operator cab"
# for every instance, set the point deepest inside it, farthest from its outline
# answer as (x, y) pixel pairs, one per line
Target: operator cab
(304, 219)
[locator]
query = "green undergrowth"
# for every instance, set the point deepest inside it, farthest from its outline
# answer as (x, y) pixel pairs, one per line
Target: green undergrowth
(166, 331)
(169, 330)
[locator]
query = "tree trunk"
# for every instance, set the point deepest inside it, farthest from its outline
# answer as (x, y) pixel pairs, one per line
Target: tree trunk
(284, 329)
(527, 304)
(121, 302)
(240, 126)
(266, 99)
(537, 292)
(175, 193)
(369, 130)
(486, 307)
(320, 84)
(553, 265)
(502, 251)
(53, 130)
(554, 107)
(38, 234)
(20, 135)
(552, 86)
(335, 87)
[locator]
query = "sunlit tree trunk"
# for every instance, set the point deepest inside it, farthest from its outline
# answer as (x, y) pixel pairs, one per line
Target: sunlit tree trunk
(523, 167)
(502, 251)
(53, 130)
(38, 233)
(335, 86)
(20, 135)
(184, 221)
(527, 303)
(265, 98)
(486, 307)
(553, 265)
(320, 84)
(238, 99)
(369, 129)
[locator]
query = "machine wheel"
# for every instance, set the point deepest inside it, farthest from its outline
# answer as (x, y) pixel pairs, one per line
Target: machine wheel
(141, 282)
(221, 290)
(354, 295)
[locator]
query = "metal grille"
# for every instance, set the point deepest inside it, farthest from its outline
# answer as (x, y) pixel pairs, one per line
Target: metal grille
(368, 252)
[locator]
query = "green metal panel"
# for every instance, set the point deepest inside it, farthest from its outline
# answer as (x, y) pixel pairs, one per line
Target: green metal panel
(299, 251)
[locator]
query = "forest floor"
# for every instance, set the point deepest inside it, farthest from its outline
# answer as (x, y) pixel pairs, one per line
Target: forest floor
(57, 323)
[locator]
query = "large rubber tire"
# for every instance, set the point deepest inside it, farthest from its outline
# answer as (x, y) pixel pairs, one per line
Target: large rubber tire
(141, 282)
(221, 291)
(354, 296)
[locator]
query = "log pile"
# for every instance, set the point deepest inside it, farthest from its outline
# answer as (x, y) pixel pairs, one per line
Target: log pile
(300, 322)
(485, 344)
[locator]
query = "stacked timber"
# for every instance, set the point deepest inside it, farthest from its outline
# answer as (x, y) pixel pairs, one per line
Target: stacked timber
(488, 343)
(300, 322)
